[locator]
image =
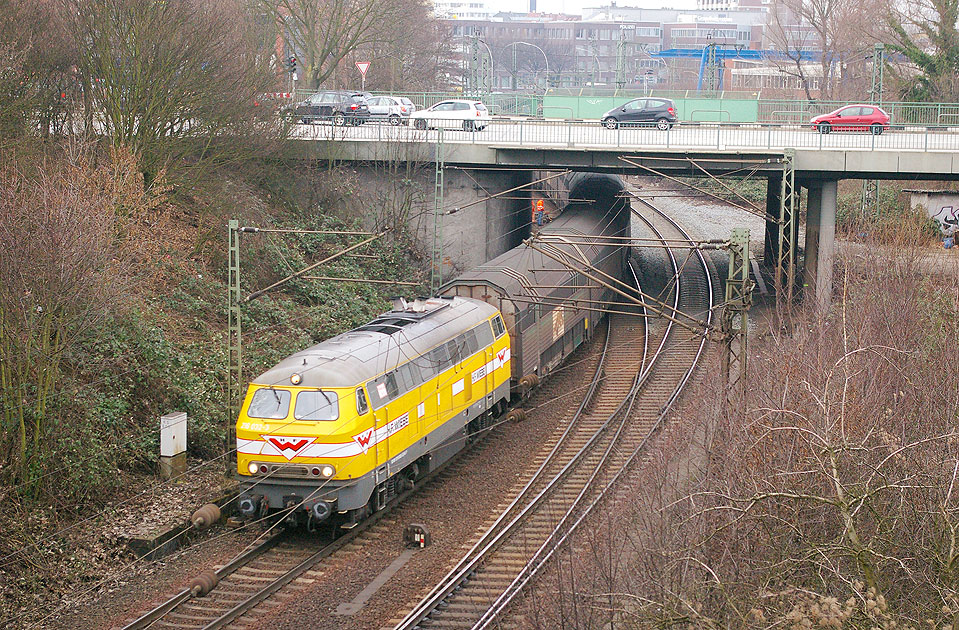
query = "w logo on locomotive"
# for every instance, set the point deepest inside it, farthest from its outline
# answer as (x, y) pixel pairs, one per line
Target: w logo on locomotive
(288, 447)
(364, 439)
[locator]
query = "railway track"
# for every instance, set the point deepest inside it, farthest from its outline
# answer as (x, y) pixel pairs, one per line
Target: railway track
(587, 449)
(272, 569)
(609, 430)
(255, 575)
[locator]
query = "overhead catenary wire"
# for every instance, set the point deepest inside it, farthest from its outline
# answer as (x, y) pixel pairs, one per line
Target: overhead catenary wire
(256, 294)
(660, 311)
(514, 189)
(362, 280)
(256, 230)
(705, 192)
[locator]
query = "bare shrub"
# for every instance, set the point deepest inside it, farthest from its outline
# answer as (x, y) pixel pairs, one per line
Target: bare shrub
(67, 230)
(833, 503)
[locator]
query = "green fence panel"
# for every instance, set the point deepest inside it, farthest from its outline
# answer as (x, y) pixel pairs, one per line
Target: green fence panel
(717, 110)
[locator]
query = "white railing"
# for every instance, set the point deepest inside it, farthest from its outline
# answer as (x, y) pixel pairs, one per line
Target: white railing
(555, 133)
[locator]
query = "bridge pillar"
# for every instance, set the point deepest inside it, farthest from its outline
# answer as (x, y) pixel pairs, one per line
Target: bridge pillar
(820, 242)
(771, 239)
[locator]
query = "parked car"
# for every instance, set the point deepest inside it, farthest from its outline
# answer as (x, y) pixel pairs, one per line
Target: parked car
(642, 112)
(468, 115)
(339, 107)
(395, 109)
(858, 117)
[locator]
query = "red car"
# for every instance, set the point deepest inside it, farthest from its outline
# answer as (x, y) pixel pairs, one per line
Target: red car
(853, 118)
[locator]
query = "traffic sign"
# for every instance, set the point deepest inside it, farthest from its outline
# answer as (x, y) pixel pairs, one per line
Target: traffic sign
(363, 66)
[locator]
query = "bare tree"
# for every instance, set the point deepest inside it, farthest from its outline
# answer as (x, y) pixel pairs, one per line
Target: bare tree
(173, 80)
(835, 31)
(415, 55)
(927, 35)
(37, 57)
(63, 224)
(322, 33)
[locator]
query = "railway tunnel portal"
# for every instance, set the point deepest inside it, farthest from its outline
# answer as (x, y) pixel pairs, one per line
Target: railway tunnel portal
(481, 193)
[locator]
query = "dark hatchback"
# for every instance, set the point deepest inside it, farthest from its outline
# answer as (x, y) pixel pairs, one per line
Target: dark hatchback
(660, 112)
(342, 108)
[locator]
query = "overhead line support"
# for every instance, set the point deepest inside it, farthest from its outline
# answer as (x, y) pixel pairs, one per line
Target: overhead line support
(734, 319)
(788, 217)
(234, 342)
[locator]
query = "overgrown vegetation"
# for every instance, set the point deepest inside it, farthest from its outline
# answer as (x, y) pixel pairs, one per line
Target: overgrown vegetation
(831, 502)
(862, 215)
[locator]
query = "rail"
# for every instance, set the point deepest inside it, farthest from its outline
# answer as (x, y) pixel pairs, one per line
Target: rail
(561, 533)
(469, 566)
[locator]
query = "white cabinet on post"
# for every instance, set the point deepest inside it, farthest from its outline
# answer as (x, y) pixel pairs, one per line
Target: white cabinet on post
(172, 444)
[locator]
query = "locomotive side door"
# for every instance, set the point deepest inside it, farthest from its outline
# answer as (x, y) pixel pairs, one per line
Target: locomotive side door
(381, 429)
(485, 338)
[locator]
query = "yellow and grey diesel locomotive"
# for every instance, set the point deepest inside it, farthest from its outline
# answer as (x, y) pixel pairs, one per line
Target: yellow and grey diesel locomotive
(336, 430)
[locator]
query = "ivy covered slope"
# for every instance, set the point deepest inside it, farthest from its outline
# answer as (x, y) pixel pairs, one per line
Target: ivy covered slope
(113, 301)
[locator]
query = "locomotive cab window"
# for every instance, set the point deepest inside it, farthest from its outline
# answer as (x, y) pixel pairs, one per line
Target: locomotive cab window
(484, 335)
(317, 405)
(270, 404)
(383, 390)
(498, 328)
(361, 406)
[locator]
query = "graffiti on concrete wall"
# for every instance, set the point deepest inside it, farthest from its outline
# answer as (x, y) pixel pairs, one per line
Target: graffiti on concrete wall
(945, 215)
(940, 205)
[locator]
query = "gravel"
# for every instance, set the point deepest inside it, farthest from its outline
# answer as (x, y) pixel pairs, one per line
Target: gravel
(456, 508)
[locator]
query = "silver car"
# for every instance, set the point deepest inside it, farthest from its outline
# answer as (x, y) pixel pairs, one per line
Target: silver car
(395, 109)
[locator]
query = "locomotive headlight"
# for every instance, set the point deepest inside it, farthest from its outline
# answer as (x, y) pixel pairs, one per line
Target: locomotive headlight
(327, 471)
(252, 468)
(296, 378)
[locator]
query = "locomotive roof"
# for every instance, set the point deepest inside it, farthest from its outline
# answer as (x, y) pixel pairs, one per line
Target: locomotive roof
(520, 270)
(391, 339)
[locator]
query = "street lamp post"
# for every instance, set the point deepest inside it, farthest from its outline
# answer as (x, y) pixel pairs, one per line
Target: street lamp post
(545, 58)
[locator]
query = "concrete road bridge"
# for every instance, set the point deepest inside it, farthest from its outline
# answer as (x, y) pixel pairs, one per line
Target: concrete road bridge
(503, 157)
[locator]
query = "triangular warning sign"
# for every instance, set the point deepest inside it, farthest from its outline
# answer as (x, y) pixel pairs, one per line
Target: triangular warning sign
(363, 66)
